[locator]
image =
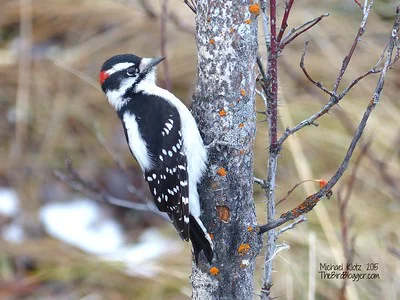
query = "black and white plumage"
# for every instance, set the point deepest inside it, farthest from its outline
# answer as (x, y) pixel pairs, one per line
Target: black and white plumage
(163, 137)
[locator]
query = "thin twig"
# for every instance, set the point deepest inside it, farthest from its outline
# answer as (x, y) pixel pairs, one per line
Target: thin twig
(308, 204)
(299, 220)
(163, 42)
(69, 68)
(292, 189)
(278, 248)
(348, 57)
(358, 4)
(261, 68)
(117, 159)
(285, 17)
(303, 68)
(24, 79)
(260, 182)
(262, 95)
(334, 99)
(270, 87)
(72, 178)
(264, 85)
(148, 9)
(267, 33)
(345, 223)
(376, 69)
(295, 32)
(394, 251)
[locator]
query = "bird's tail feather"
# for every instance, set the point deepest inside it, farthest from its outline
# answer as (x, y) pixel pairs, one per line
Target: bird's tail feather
(200, 240)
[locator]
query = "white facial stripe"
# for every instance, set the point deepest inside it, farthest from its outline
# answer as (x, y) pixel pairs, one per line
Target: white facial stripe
(115, 97)
(119, 67)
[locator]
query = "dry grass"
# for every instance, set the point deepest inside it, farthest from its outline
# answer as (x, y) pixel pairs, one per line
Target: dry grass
(64, 106)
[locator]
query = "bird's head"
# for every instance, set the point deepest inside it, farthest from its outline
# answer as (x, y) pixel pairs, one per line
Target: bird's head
(126, 71)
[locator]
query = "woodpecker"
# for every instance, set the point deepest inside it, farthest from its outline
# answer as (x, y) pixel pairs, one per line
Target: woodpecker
(163, 137)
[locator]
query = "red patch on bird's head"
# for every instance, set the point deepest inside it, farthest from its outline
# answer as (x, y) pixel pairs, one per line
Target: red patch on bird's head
(103, 76)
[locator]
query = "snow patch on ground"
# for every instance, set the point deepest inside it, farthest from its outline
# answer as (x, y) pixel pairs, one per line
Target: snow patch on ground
(9, 207)
(13, 233)
(9, 202)
(79, 223)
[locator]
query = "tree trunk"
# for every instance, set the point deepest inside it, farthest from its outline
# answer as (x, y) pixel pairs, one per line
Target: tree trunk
(224, 107)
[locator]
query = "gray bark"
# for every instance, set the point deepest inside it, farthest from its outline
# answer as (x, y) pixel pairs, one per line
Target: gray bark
(224, 107)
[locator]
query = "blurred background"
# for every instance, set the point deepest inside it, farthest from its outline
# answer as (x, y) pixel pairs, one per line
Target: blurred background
(58, 131)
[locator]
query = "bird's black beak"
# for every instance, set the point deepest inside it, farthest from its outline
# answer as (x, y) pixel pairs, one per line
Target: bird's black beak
(151, 63)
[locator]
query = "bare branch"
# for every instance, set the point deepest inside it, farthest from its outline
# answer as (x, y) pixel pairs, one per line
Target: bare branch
(145, 4)
(117, 159)
(260, 182)
(292, 189)
(308, 204)
(267, 32)
(24, 81)
(295, 32)
(376, 69)
(348, 57)
(394, 251)
(262, 95)
(264, 84)
(299, 220)
(270, 87)
(279, 248)
(345, 222)
(163, 42)
(285, 17)
(262, 71)
(358, 4)
(89, 189)
(302, 66)
(334, 98)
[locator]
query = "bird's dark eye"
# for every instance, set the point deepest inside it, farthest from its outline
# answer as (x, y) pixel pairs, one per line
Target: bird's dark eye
(131, 71)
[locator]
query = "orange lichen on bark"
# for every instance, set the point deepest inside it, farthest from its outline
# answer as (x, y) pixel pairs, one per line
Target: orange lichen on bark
(241, 151)
(224, 213)
(243, 92)
(222, 112)
(303, 207)
(371, 103)
(243, 249)
(214, 271)
(249, 229)
(322, 183)
(221, 172)
(248, 21)
(241, 125)
(212, 41)
(254, 9)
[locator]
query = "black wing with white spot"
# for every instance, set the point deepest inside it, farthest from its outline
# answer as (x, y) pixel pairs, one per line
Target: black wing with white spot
(168, 180)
